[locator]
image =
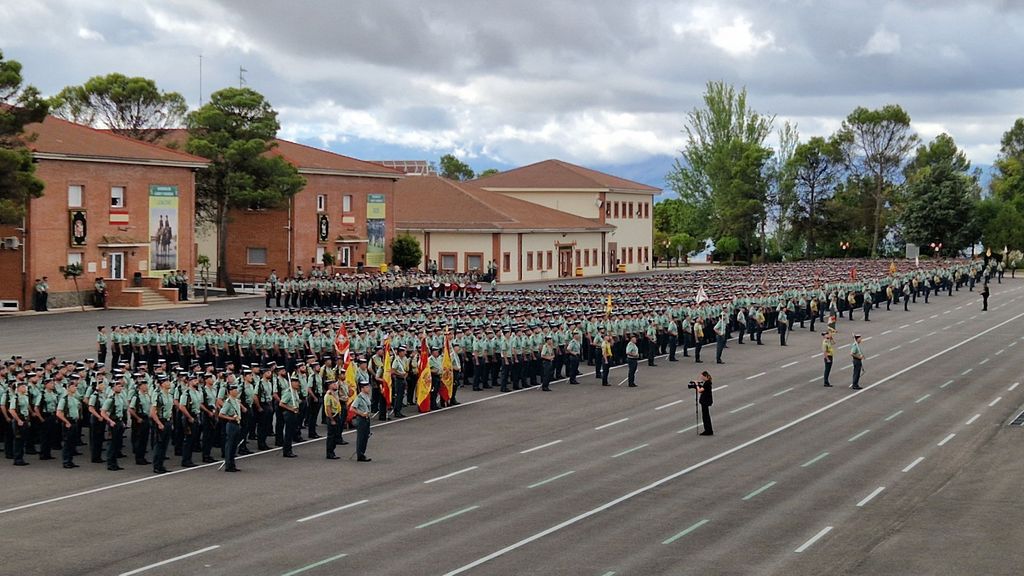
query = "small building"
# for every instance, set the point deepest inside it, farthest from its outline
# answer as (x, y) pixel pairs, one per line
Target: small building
(609, 200)
(463, 228)
(122, 209)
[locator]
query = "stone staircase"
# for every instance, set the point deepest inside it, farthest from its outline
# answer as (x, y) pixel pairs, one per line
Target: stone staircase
(151, 298)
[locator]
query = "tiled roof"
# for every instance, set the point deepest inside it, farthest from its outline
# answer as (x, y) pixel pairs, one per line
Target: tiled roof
(435, 203)
(56, 138)
(556, 174)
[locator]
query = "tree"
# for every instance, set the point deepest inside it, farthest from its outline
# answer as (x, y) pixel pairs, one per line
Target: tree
(876, 143)
(234, 130)
(488, 172)
(73, 271)
(132, 107)
(941, 197)
(1002, 224)
(683, 245)
(779, 199)
(406, 252)
(811, 174)
(19, 105)
(674, 216)
(455, 169)
(1008, 181)
(722, 169)
(727, 246)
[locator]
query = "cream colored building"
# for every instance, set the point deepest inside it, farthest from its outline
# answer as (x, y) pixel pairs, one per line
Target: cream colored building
(464, 228)
(608, 200)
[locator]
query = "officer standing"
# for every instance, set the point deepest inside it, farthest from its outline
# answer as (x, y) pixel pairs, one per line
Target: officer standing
(335, 418)
(720, 328)
(139, 409)
(231, 414)
(399, 374)
(605, 359)
(984, 297)
(20, 408)
(114, 413)
(858, 361)
(547, 358)
(827, 353)
(698, 338)
(291, 399)
(705, 399)
(361, 407)
(632, 356)
(572, 350)
(160, 414)
(69, 409)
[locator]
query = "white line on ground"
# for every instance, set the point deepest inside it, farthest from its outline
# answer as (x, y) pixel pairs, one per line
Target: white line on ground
(904, 326)
(868, 338)
(973, 418)
(818, 355)
(914, 341)
(948, 382)
(847, 367)
(994, 402)
(922, 398)
(946, 439)
(1011, 344)
(813, 539)
(947, 311)
(1013, 387)
(813, 460)
(744, 407)
(858, 435)
(758, 375)
(914, 463)
(983, 362)
(893, 415)
(873, 356)
(966, 372)
(895, 348)
(663, 406)
(688, 428)
(685, 532)
(793, 363)
(446, 476)
(870, 497)
(759, 490)
(822, 377)
(781, 392)
(958, 323)
(934, 316)
(844, 346)
(932, 333)
(541, 447)
(315, 565)
(332, 511)
(633, 449)
(886, 332)
(974, 317)
(1001, 350)
(169, 560)
(448, 517)
(552, 479)
(603, 426)
(959, 307)
(918, 321)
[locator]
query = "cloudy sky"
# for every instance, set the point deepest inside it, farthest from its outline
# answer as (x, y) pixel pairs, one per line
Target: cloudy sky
(604, 83)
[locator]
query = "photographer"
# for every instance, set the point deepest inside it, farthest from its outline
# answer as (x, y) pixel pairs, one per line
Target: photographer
(705, 398)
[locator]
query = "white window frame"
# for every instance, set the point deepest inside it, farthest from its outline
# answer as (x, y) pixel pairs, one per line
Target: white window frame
(454, 260)
(321, 202)
(249, 252)
(346, 204)
(117, 196)
(345, 256)
(76, 195)
(76, 258)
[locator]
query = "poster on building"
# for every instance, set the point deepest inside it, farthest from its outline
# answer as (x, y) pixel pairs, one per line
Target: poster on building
(375, 230)
(163, 229)
(79, 228)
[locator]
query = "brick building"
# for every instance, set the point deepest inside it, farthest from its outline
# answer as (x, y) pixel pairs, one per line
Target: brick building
(118, 207)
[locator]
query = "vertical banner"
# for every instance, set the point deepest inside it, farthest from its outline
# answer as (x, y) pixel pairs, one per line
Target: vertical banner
(163, 229)
(375, 230)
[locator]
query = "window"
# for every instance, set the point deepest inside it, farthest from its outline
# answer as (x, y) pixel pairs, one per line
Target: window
(321, 202)
(448, 261)
(506, 262)
(346, 203)
(74, 258)
(256, 256)
(529, 260)
(344, 256)
(474, 262)
(630, 255)
(586, 257)
(549, 260)
(616, 209)
(75, 196)
(630, 209)
(623, 259)
(578, 258)
(647, 209)
(593, 256)
(540, 260)
(117, 196)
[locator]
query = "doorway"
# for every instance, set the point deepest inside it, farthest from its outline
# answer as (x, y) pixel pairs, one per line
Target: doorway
(116, 264)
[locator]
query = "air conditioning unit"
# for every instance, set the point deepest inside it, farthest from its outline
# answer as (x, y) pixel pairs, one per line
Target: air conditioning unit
(12, 243)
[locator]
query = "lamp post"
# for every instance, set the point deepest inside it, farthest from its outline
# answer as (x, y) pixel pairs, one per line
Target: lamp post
(844, 246)
(936, 246)
(666, 244)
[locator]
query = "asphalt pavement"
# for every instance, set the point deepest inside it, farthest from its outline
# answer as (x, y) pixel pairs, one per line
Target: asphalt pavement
(916, 474)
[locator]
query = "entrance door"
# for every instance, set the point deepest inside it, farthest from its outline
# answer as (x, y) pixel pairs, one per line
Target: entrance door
(613, 259)
(564, 262)
(116, 265)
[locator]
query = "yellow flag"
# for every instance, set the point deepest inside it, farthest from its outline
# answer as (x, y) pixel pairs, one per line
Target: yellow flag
(608, 307)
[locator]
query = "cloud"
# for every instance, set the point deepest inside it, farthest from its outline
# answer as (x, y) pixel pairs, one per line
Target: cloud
(734, 35)
(87, 34)
(881, 43)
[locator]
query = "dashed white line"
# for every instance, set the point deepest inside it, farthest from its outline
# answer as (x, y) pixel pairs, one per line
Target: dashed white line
(446, 476)
(893, 415)
(922, 398)
(886, 332)
(868, 338)
(973, 418)
(744, 407)
(934, 316)
(603, 426)
(904, 326)
(947, 312)
(983, 362)
(959, 307)
(1011, 344)
(813, 539)
(634, 449)
(793, 363)
(663, 406)
(873, 356)
(870, 497)
(858, 435)
(966, 372)
(169, 560)
(817, 355)
(914, 463)
(687, 429)
(959, 323)
(781, 392)
(332, 511)
(542, 446)
(948, 382)
(895, 348)
(812, 380)
(974, 317)
(1001, 350)
(946, 439)
(919, 321)
(758, 375)
(1013, 387)
(914, 341)
(994, 402)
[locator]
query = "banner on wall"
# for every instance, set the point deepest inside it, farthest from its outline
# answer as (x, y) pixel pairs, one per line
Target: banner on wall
(375, 230)
(163, 229)
(79, 228)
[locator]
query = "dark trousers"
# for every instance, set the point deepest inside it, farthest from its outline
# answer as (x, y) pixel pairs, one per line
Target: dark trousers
(96, 428)
(163, 438)
(857, 367)
(631, 363)
(140, 440)
(334, 434)
(398, 395)
(828, 370)
(209, 436)
(231, 433)
(19, 433)
(548, 370)
(116, 435)
(70, 439)
(782, 333)
(50, 432)
(651, 351)
(598, 361)
(190, 433)
(719, 346)
(867, 312)
(291, 428)
(574, 367)
(362, 435)
(264, 425)
(313, 412)
(705, 415)
(696, 350)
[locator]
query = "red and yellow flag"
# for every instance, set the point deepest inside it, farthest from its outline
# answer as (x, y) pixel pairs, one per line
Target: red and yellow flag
(350, 382)
(423, 383)
(341, 345)
(447, 374)
(385, 388)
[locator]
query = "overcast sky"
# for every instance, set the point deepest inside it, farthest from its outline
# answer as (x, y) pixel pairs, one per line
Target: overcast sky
(601, 82)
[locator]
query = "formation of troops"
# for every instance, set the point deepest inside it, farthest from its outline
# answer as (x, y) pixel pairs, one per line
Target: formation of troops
(221, 387)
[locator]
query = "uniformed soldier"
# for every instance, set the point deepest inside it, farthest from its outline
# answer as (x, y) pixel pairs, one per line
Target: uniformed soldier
(231, 414)
(161, 412)
(139, 404)
(698, 338)
(632, 356)
(720, 328)
(19, 408)
(572, 350)
(858, 359)
(827, 354)
(334, 410)
(547, 356)
(188, 405)
(115, 413)
(69, 410)
(291, 399)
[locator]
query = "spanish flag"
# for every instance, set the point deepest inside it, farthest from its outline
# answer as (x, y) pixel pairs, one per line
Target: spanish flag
(385, 388)
(447, 376)
(423, 383)
(350, 381)
(608, 307)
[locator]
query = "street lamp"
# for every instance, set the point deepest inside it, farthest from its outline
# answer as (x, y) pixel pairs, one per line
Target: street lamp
(666, 244)
(936, 246)
(844, 246)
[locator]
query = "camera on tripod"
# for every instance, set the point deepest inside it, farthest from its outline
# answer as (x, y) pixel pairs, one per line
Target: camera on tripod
(692, 385)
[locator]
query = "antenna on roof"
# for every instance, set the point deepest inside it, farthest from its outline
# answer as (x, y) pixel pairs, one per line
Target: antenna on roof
(241, 77)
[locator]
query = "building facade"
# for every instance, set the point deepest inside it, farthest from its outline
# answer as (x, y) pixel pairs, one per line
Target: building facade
(120, 208)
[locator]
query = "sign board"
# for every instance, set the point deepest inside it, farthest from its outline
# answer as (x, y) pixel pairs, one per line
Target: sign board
(913, 251)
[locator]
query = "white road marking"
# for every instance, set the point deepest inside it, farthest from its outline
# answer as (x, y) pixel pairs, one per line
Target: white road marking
(922, 398)
(958, 323)
(873, 356)
(947, 312)
(1001, 350)
(914, 463)
(448, 517)
(813, 539)
(542, 446)
(973, 418)
(966, 372)
(904, 326)
(848, 366)
(914, 341)
(687, 429)
(868, 338)
(781, 392)
(893, 415)
(758, 375)
(974, 317)
(946, 439)
(817, 355)
(932, 333)
(332, 511)
(634, 449)
(685, 532)
(603, 426)
(1013, 387)
(1011, 344)
(994, 402)
(858, 435)
(959, 307)
(759, 490)
(822, 377)
(742, 408)
(813, 460)
(446, 476)
(895, 348)
(793, 363)
(870, 497)
(663, 406)
(934, 316)
(886, 332)
(983, 362)
(844, 346)
(919, 321)
(169, 560)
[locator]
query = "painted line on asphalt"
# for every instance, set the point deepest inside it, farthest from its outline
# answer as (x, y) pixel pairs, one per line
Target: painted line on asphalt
(541, 447)
(817, 355)
(973, 418)
(813, 539)
(994, 402)
(948, 382)
(552, 479)
(934, 316)
(793, 363)
(870, 497)
(974, 317)
(922, 398)
(1001, 350)
(904, 326)
(1011, 344)
(959, 307)
(758, 375)
(813, 460)
(169, 560)
(447, 517)
(822, 377)
(873, 356)
(781, 392)
(868, 338)
(914, 341)
(847, 367)
(914, 463)
(858, 435)
(983, 362)
(932, 333)
(446, 476)
(947, 311)
(685, 532)
(966, 372)
(315, 565)
(688, 428)
(886, 332)
(1013, 387)
(895, 348)
(759, 490)
(918, 321)
(959, 323)
(634, 449)
(663, 406)
(603, 426)
(608, 574)
(946, 439)
(332, 511)
(893, 415)
(725, 453)
(744, 407)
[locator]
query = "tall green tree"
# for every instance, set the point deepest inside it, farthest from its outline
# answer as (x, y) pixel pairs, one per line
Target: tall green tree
(877, 143)
(1008, 181)
(406, 252)
(721, 170)
(779, 201)
(131, 106)
(455, 169)
(813, 173)
(19, 105)
(940, 197)
(675, 216)
(235, 130)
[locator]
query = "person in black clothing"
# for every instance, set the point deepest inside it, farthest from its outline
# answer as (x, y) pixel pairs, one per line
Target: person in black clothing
(705, 399)
(984, 298)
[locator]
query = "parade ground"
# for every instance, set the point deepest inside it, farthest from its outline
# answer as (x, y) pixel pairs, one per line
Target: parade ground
(918, 473)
